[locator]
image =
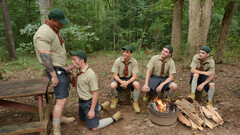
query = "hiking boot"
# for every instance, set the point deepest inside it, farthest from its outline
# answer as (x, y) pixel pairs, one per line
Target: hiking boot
(136, 107)
(56, 128)
(146, 97)
(114, 102)
(117, 116)
(105, 105)
(210, 103)
(191, 97)
(67, 119)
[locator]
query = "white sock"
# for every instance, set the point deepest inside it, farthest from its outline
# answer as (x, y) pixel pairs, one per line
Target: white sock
(136, 94)
(105, 122)
(210, 94)
(56, 120)
(114, 93)
(194, 85)
(100, 108)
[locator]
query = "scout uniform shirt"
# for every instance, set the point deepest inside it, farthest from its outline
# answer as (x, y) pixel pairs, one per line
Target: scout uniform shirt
(46, 39)
(155, 65)
(208, 65)
(86, 83)
(118, 67)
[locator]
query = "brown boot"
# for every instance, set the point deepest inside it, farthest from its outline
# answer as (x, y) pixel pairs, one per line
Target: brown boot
(56, 128)
(114, 102)
(117, 116)
(105, 105)
(136, 107)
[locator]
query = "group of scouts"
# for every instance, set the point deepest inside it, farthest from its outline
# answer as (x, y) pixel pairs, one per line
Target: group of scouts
(51, 52)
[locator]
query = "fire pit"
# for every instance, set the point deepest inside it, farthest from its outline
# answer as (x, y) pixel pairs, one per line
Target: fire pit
(162, 112)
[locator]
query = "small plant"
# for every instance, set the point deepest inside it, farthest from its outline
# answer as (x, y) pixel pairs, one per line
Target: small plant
(26, 48)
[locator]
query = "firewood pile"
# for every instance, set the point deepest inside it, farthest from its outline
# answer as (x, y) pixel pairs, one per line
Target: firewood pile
(196, 116)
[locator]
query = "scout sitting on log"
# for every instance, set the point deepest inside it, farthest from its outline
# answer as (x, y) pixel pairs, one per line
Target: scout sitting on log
(125, 69)
(86, 84)
(203, 70)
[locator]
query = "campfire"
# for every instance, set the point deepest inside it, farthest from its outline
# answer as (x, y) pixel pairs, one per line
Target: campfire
(163, 106)
(163, 112)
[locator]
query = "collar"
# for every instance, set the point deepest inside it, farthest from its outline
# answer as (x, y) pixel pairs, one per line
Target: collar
(160, 58)
(131, 59)
(85, 68)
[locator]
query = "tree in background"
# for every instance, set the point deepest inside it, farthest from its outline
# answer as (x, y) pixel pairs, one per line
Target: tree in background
(8, 29)
(44, 6)
(177, 29)
(225, 28)
(199, 23)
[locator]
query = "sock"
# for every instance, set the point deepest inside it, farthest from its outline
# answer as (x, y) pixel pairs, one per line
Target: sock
(105, 122)
(170, 93)
(194, 85)
(210, 94)
(100, 108)
(56, 120)
(136, 94)
(115, 93)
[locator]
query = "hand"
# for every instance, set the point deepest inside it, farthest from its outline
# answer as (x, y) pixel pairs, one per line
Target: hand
(208, 73)
(55, 81)
(159, 88)
(200, 87)
(124, 84)
(91, 114)
(145, 88)
(70, 68)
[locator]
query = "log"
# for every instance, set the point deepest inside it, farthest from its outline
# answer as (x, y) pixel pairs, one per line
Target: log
(187, 102)
(199, 112)
(193, 125)
(207, 113)
(209, 124)
(216, 114)
(183, 119)
(193, 117)
(182, 104)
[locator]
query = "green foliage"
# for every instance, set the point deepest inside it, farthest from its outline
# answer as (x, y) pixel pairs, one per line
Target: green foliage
(30, 29)
(26, 48)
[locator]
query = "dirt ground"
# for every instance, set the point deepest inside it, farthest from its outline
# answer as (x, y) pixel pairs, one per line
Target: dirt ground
(226, 99)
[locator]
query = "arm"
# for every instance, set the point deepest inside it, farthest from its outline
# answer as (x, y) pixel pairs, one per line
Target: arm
(145, 87)
(116, 77)
(69, 70)
(125, 83)
(170, 78)
(195, 71)
(91, 113)
(47, 62)
(210, 78)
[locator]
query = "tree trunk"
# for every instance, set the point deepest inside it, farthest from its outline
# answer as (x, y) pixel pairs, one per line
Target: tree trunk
(225, 28)
(8, 30)
(105, 26)
(130, 22)
(177, 29)
(114, 26)
(199, 23)
(43, 5)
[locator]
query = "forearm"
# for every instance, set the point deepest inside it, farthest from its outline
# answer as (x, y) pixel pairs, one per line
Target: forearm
(209, 79)
(116, 77)
(134, 77)
(148, 73)
(169, 79)
(47, 62)
(94, 100)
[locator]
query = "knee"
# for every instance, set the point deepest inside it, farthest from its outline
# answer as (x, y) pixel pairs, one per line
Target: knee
(136, 85)
(113, 85)
(173, 87)
(211, 85)
(195, 75)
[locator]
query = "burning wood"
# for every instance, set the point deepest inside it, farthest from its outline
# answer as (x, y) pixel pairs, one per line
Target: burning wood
(198, 116)
(163, 106)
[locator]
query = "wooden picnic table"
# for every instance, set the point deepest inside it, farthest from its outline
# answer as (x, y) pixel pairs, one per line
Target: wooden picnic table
(37, 88)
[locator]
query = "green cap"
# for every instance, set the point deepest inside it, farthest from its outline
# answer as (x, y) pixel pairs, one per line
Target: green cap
(206, 49)
(130, 48)
(169, 47)
(80, 53)
(57, 14)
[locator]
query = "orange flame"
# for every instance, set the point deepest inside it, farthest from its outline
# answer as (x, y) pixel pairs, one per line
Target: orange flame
(161, 106)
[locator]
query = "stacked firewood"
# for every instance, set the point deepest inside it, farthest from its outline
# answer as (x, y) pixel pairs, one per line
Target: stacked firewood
(196, 116)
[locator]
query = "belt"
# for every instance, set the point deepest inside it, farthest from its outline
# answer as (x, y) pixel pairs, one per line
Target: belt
(81, 100)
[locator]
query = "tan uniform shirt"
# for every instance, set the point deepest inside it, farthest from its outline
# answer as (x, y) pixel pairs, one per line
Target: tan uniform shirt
(118, 67)
(46, 39)
(86, 83)
(209, 66)
(155, 65)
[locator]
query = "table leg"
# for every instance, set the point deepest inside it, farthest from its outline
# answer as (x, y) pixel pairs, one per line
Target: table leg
(40, 106)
